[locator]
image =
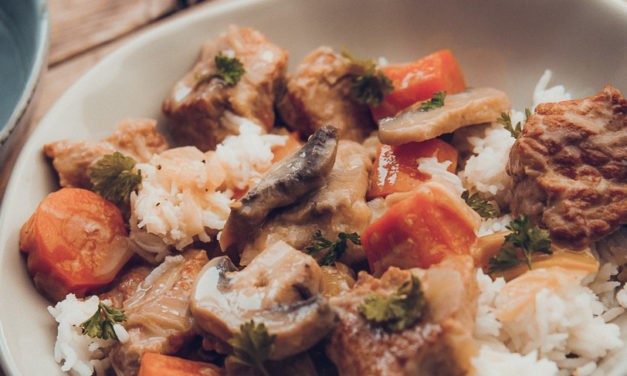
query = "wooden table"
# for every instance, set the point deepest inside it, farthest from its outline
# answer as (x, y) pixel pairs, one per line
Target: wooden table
(82, 32)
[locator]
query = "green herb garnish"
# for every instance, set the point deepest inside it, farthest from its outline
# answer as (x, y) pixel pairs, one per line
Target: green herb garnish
(114, 178)
(435, 102)
(100, 325)
(369, 84)
(397, 311)
(506, 121)
(518, 247)
(252, 346)
(478, 204)
(336, 249)
(230, 70)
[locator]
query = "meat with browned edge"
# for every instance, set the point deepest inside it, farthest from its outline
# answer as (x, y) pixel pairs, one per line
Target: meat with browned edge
(570, 167)
(71, 159)
(441, 344)
(197, 102)
(319, 93)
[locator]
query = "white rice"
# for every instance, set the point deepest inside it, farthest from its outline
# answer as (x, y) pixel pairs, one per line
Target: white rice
(564, 330)
(555, 324)
(79, 354)
(492, 225)
(438, 171)
(542, 94)
(491, 362)
(186, 194)
(485, 170)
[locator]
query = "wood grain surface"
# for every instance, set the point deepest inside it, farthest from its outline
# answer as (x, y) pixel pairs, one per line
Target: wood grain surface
(85, 31)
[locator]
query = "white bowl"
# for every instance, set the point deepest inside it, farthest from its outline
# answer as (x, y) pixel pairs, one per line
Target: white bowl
(504, 44)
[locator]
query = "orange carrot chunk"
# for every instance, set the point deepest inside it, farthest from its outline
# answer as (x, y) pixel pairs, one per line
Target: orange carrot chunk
(154, 364)
(292, 144)
(418, 81)
(396, 167)
(75, 242)
(420, 230)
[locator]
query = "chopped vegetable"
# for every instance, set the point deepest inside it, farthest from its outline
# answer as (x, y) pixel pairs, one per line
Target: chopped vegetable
(75, 241)
(398, 311)
(579, 261)
(230, 70)
(369, 83)
(336, 249)
(436, 101)
(420, 230)
(478, 204)
(418, 81)
(395, 169)
(521, 292)
(100, 325)
(524, 240)
(114, 178)
(154, 364)
(252, 346)
(292, 144)
(506, 121)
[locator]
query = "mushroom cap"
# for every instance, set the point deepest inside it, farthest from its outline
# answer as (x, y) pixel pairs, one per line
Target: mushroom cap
(281, 288)
(473, 106)
(286, 182)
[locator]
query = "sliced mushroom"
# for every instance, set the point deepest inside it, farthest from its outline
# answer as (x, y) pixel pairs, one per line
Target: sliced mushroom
(285, 183)
(473, 106)
(281, 288)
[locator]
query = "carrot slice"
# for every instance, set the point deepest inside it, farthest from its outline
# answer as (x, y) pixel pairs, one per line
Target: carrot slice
(292, 144)
(154, 364)
(75, 242)
(418, 81)
(395, 168)
(420, 230)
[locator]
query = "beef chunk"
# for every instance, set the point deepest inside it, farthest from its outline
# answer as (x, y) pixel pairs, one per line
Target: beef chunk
(569, 167)
(319, 93)
(71, 159)
(197, 102)
(440, 344)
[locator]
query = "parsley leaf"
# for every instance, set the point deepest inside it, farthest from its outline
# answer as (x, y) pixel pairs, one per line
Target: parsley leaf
(435, 102)
(478, 204)
(100, 325)
(252, 346)
(524, 240)
(230, 70)
(506, 121)
(336, 249)
(369, 84)
(397, 311)
(113, 177)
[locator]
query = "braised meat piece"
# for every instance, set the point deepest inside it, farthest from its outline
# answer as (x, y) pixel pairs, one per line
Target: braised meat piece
(439, 344)
(569, 167)
(158, 318)
(198, 101)
(319, 93)
(71, 159)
